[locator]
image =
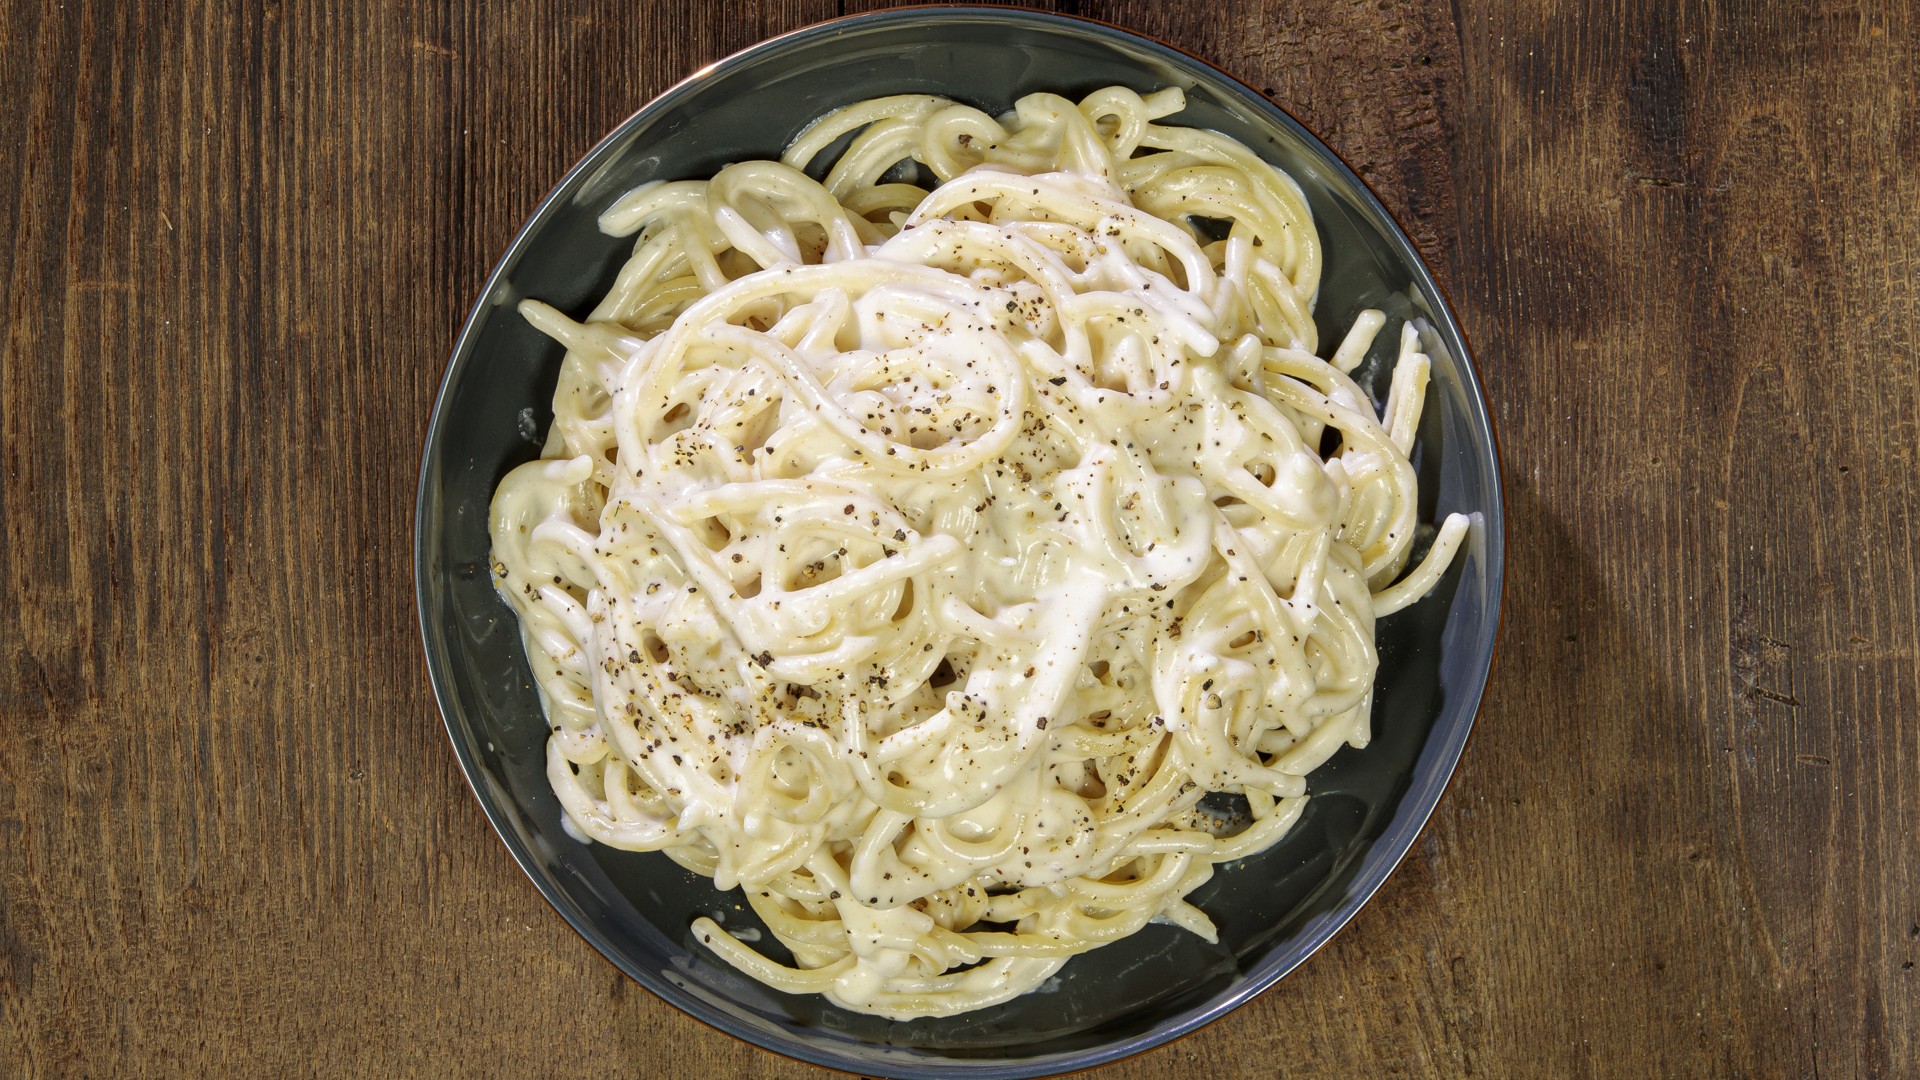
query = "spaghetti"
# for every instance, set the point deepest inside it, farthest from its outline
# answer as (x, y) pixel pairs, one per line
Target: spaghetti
(918, 560)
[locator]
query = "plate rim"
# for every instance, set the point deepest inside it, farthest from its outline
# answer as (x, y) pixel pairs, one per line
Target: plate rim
(1455, 724)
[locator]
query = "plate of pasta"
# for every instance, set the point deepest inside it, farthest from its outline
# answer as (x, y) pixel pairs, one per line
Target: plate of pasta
(959, 542)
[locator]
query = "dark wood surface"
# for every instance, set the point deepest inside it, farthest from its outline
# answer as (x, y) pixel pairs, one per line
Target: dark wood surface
(240, 238)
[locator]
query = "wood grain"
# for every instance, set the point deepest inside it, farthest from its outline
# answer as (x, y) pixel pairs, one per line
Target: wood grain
(239, 242)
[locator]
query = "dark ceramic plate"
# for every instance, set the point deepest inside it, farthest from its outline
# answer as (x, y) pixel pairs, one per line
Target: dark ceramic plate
(1273, 910)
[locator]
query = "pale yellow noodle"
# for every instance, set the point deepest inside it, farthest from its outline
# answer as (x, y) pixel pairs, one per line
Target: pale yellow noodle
(917, 561)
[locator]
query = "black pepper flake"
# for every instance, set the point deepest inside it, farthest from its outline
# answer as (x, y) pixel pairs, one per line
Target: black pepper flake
(1058, 380)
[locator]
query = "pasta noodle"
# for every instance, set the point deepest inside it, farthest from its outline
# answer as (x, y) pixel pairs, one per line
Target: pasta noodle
(917, 561)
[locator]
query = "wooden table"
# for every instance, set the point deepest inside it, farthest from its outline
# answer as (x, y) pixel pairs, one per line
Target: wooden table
(1683, 237)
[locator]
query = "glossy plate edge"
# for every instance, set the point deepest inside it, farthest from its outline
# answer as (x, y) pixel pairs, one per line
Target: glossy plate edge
(1448, 738)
